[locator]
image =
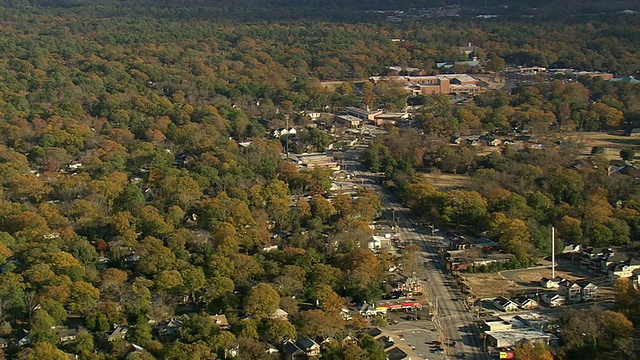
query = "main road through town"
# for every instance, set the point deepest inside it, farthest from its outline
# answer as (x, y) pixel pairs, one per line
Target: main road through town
(453, 319)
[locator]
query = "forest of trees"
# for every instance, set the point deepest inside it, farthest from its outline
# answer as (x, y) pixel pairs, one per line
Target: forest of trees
(125, 196)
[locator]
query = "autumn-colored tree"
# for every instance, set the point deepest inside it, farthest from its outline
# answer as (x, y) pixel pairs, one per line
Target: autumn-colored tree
(277, 330)
(261, 301)
(533, 351)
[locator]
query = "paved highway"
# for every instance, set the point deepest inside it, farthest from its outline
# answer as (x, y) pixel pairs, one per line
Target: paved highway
(453, 320)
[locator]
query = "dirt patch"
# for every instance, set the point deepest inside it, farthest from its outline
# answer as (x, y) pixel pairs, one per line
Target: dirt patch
(444, 182)
(490, 285)
(516, 282)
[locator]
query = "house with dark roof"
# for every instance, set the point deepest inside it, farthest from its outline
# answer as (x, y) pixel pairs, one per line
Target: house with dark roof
(504, 304)
(554, 300)
(292, 351)
(117, 332)
(526, 303)
(571, 291)
(65, 334)
(588, 290)
(310, 347)
(625, 269)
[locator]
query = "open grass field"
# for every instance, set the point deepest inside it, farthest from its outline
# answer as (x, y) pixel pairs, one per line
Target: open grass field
(612, 143)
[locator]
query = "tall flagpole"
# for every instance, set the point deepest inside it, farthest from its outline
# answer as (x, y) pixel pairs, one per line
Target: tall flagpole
(553, 253)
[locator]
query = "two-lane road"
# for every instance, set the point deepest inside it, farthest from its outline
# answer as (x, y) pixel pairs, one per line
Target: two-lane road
(453, 319)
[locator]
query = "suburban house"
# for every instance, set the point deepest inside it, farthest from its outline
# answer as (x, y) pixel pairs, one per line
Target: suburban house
(310, 347)
(625, 269)
(279, 314)
(117, 332)
(276, 134)
(551, 283)
(22, 338)
(526, 303)
(221, 321)
(66, 335)
(611, 259)
(572, 249)
(168, 327)
(292, 351)
(571, 291)
(591, 257)
(504, 304)
(490, 141)
(554, 300)
(588, 290)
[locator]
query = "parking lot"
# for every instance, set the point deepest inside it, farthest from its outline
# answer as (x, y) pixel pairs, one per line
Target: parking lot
(413, 330)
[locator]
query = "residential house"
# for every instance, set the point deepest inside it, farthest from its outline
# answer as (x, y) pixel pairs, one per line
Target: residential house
(591, 257)
(22, 338)
(66, 335)
(572, 249)
(490, 141)
(231, 352)
(221, 321)
(168, 328)
(611, 259)
(625, 269)
(135, 351)
(588, 290)
(571, 291)
(271, 349)
(279, 314)
(310, 347)
(554, 300)
(526, 303)
(292, 351)
(117, 332)
(504, 304)
(551, 283)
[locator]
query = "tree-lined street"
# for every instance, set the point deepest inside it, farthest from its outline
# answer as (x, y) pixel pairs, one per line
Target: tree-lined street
(453, 321)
